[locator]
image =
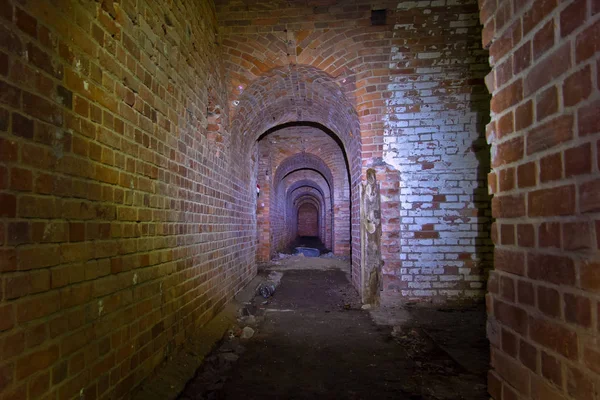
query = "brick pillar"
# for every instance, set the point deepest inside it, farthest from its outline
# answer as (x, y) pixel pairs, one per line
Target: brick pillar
(543, 293)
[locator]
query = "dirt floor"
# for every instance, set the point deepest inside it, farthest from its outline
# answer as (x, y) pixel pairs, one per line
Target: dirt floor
(312, 340)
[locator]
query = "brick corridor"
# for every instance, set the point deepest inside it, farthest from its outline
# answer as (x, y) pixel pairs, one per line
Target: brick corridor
(316, 343)
(154, 152)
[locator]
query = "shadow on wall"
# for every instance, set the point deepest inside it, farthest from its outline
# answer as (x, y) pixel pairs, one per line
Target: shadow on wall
(484, 255)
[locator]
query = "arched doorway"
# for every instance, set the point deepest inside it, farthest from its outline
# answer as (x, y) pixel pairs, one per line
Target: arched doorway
(302, 102)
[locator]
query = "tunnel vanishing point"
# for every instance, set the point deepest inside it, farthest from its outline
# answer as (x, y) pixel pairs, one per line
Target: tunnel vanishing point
(152, 152)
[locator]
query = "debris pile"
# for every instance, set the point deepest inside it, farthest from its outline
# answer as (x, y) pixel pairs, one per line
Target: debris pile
(267, 288)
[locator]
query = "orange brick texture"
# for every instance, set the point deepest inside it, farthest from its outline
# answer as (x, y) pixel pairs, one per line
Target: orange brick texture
(126, 216)
(543, 302)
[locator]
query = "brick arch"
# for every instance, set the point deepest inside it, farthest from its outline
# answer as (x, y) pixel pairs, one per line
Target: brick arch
(303, 161)
(286, 141)
(353, 55)
(337, 224)
(290, 94)
(338, 52)
(292, 174)
(295, 184)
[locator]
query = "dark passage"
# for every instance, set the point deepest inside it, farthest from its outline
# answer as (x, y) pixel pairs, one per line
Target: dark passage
(308, 241)
(317, 343)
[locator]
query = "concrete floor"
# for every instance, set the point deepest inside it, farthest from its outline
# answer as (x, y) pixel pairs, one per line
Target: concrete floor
(313, 341)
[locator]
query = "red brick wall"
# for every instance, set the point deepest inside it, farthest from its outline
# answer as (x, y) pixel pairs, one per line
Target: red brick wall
(543, 293)
(308, 220)
(119, 192)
